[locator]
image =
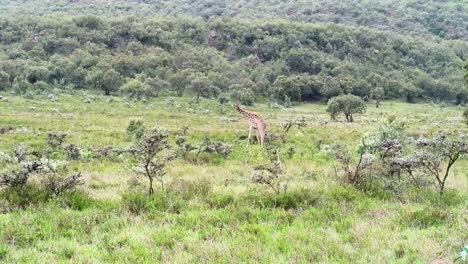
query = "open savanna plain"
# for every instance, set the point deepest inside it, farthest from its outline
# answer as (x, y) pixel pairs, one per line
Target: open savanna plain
(210, 211)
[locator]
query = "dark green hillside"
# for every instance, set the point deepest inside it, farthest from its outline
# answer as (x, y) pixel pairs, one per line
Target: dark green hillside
(444, 19)
(270, 57)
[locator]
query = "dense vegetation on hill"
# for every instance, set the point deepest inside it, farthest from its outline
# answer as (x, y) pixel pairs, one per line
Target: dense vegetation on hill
(445, 19)
(233, 57)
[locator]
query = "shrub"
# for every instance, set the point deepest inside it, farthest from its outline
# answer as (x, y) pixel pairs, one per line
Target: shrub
(433, 154)
(356, 172)
(272, 175)
(20, 153)
(19, 178)
(56, 185)
(347, 104)
(153, 155)
(55, 139)
(299, 122)
(72, 151)
(136, 129)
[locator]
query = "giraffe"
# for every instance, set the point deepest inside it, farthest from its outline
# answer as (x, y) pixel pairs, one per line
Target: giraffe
(256, 122)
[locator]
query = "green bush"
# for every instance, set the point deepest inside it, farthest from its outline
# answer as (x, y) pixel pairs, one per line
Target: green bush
(347, 104)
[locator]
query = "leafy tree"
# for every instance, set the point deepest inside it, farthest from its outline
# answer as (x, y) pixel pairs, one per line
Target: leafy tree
(200, 86)
(330, 88)
(347, 104)
(434, 153)
(4, 80)
(134, 87)
(104, 79)
(180, 81)
(155, 86)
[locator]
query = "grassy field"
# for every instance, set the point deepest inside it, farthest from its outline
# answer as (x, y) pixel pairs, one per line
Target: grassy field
(212, 212)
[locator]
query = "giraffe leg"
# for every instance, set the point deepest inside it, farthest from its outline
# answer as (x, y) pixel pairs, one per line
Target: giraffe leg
(261, 133)
(250, 134)
(257, 135)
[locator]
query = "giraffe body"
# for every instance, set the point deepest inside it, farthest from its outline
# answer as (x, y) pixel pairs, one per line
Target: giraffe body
(256, 122)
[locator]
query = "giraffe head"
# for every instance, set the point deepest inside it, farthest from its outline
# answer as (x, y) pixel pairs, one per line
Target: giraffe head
(237, 107)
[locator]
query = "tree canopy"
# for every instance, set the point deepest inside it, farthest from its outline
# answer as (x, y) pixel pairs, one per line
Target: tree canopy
(300, 61)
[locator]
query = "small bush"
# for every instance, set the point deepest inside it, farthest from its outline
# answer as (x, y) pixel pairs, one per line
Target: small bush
(55, 139)
(136, 129)
(72, 151)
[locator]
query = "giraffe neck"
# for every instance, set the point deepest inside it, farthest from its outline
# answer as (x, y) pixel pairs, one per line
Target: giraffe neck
(244, 112)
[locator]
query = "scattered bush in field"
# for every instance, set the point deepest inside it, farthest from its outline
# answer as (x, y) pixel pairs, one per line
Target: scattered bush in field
(406, 164)
(356, 173)
(19, 178)
(6, 158)
(272, 175)
(105, 151)
(54, 166)
(152, 155)
(299, 122)
(6, 130)
(57, 185)
(386, 140)
(183, 148)
(72, 151)
(433, 154)
(220, 148)
(136, 129)
(347, 104)
(20, 152)
(55, 139)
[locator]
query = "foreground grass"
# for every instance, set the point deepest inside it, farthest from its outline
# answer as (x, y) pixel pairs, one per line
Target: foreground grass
(212, 213)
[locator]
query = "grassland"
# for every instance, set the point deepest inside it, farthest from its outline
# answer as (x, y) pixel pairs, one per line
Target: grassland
(212, 213)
